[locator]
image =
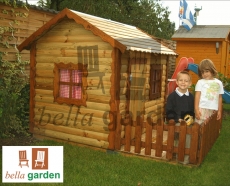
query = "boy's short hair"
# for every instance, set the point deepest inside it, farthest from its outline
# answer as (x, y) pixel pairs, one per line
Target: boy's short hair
(207, 64)
(183, 72)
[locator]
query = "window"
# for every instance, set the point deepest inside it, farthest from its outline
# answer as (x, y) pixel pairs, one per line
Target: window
(70, 83)
(155, 81)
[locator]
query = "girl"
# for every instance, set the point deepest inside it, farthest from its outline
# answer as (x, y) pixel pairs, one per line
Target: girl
(208, 96)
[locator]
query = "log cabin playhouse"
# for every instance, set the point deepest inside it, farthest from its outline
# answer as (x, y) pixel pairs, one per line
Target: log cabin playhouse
(102, 83)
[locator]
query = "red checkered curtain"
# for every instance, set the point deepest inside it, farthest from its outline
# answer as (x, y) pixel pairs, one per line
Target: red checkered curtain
(76, 90)
(64, 77)
(77, 75)
(64, 91)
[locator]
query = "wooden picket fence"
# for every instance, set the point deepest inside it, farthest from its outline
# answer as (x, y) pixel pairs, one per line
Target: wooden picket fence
(157, 139)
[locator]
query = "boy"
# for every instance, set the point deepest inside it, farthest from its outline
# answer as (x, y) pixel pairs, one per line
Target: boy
(180, 103)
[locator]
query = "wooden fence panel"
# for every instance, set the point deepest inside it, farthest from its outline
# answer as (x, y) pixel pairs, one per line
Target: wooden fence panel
(202, 138)
(209, 132)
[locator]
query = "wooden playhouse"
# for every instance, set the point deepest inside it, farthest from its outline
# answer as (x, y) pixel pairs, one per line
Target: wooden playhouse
(101, 83)
(205, 41)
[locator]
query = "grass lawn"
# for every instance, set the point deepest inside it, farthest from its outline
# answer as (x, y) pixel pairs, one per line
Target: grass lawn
(84, 166)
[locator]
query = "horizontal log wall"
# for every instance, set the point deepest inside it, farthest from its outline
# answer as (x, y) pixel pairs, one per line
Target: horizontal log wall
(24, 26)
(68, 42)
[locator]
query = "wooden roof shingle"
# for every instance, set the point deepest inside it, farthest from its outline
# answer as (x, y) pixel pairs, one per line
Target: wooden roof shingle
(122, 36)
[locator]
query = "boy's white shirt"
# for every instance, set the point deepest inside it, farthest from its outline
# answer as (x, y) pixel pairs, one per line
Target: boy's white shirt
(210, 91)
(181, 94)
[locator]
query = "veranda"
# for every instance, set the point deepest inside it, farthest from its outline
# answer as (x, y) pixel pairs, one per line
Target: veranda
(157, 140)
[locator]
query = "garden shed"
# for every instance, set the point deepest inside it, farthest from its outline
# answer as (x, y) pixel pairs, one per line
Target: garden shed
(205, 41)
(86, 73)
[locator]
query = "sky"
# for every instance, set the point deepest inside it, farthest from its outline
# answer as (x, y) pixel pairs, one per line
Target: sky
(212, 13)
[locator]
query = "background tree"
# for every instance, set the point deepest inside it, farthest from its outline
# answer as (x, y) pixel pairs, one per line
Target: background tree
(148, 15)
(44, 3)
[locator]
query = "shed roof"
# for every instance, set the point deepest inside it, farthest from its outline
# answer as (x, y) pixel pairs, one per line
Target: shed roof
(203, 32)
(122, 36)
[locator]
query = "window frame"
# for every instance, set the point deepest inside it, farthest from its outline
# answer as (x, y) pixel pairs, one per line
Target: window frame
(70, 66)
(155, 83)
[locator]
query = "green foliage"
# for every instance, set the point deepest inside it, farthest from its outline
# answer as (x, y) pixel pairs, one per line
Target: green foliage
(46, 3)
(13, 101)
(23, 106)
(11, 104)
(192, 89)
(225, 80)
(14, 3)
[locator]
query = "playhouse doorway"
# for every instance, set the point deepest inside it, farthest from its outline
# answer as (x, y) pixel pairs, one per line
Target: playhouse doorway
(136, 87)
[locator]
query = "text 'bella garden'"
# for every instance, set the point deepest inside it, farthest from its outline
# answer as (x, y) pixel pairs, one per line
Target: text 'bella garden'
(32, 176)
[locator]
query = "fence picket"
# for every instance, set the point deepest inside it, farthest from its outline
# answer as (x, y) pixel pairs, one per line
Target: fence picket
(159, 138)
(202, 143)
(148, 137)
(208, 141)
(128, 135)
(138, 134)
(193, 152)
(206, 136)
(170, 140)
(182, 138)
(212, 132)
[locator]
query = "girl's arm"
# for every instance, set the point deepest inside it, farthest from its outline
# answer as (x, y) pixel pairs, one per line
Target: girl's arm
(219, 107)
(196, 104)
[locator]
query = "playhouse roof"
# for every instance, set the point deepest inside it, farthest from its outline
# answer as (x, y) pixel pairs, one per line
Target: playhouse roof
(122, 36)
(203, 32)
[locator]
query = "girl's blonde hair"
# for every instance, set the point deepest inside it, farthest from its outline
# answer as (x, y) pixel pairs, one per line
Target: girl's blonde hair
(206, 64)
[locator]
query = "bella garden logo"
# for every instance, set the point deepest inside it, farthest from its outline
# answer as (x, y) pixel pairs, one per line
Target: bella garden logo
(23, 164)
